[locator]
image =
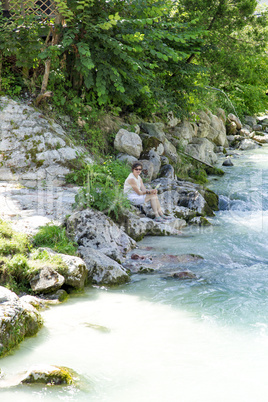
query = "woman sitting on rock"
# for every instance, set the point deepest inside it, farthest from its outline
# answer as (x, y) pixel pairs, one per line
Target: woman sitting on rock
(138, 194)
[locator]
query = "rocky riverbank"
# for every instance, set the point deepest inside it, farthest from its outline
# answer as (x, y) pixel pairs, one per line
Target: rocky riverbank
(35, 157)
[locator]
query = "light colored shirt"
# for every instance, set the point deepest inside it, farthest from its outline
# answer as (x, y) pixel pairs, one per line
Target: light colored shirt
(128, 189)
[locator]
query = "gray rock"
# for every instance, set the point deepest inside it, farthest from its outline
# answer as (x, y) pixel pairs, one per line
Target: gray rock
(154, 157)
(90, 228)
(257, 127)
(126, 158)
(247, 144)
(137, 228)
(203, 149)
(18, 319)
(154, 130)
(172, 121)
(236, 120)
(128, 143)
(261, 139)
(250, 121)
(184, 131)
(147, 169)
(228, 162)
(170, 151)
(181, 275)
(167, 171)
(46, 281)
(102, 270)
(221, 115)
(231, 128)
(164, 160)
(34, 149)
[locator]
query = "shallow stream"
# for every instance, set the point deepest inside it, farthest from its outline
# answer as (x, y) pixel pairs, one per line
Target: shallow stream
(165, 340)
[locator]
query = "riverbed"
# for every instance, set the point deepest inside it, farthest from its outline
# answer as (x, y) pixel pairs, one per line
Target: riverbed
(159, 339)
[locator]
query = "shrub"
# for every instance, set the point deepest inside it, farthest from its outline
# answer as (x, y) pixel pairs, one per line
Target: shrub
(102, 187)
(54, 237)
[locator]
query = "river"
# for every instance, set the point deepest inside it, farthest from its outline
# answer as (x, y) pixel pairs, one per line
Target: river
(158, 339)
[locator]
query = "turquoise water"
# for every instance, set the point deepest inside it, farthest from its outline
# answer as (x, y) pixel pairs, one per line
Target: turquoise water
(159, 339)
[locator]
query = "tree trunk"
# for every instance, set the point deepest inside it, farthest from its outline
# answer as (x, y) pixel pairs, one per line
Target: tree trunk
(55, 38)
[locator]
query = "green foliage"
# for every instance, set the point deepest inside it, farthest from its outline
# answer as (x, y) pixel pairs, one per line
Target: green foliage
(234, 53)
(12, 242)
(54, 237)
(40, 258)
(102, 186)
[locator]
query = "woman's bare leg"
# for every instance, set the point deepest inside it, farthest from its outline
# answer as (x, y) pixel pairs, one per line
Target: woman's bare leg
(154, 203)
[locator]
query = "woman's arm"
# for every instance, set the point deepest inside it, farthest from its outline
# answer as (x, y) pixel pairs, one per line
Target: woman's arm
(146, 191)
(133, 184)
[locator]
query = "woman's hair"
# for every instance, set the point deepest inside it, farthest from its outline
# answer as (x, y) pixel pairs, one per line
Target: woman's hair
(135, 165)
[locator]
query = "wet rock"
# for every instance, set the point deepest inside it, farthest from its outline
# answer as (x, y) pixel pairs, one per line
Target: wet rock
(42, 374)
(18, 319)
(247, 144)
(137, 257)
(102, 270)
(199, 221)
(182, 258)
(182, 275)
(228, 162)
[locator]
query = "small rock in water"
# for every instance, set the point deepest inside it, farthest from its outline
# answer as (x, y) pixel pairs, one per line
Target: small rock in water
(137, 257)
(181, 275)
(100, 328)
(227, 162)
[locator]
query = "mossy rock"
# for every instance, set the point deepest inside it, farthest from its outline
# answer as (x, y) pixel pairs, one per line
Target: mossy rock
(191, 215)
(52, 375)
(149, 143)
(212, 199)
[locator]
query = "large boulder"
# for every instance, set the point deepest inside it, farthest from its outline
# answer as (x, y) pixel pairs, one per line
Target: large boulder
(170, 151)
(154, 130)
(250, 120)
(184, 132)
(167, 171)
(147, 169)
(202, 149)
(90, 228)
(33, 148)
(126, 158)
(128, 143)
(18, 320)
(102, 270)
(154, 157)
(247, 144)
(236, 120)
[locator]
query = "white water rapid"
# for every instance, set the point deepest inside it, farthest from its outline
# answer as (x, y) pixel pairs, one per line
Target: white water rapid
(165, 340)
